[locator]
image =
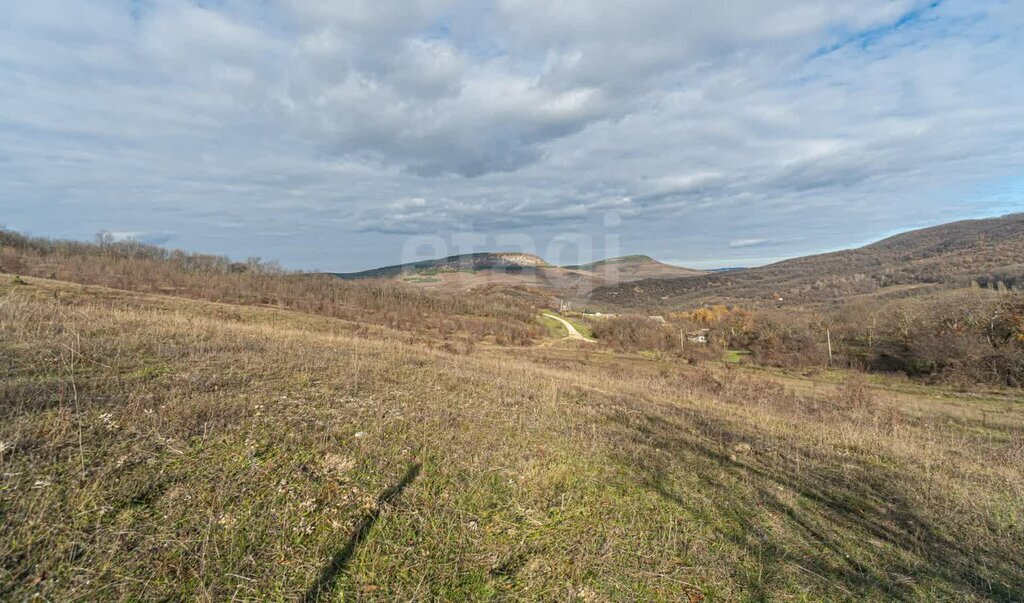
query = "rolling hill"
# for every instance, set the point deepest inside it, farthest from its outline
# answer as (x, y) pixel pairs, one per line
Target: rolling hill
(512, 269)
(988, 251)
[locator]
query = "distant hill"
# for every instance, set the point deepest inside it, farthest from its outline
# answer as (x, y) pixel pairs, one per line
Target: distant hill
(521, 269)
(509, 261)
(626, 259)
(986, 251)
(729, 269)
(634, 267)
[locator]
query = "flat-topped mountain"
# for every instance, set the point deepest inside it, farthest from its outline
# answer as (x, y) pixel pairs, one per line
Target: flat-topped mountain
(626, 259)
(455, 263)
(630, 268)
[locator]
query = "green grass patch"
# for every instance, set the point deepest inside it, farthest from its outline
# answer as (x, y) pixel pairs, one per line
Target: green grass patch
(421, 279)
(735, 356)
(581, 326)
(555, 329)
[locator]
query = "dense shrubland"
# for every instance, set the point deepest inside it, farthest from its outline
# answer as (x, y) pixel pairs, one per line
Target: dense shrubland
(969, 336)
(636, 333)
(627, 333)
(134, 266)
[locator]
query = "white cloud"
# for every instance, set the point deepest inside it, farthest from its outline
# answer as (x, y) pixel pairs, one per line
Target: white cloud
(740, 243)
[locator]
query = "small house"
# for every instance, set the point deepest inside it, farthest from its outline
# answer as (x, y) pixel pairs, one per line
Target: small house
(700, 336)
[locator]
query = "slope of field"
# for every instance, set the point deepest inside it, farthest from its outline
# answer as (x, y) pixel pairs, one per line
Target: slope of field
(507, 317)
(986, 251)
(154, 447)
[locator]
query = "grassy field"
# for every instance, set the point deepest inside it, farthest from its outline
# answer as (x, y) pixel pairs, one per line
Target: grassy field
(153, 447)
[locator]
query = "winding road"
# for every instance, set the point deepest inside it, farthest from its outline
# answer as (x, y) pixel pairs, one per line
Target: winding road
(573, 333)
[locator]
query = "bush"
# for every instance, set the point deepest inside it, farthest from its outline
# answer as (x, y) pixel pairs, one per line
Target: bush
(636, 333)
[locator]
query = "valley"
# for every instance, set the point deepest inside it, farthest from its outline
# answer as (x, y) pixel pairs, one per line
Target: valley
(179, 426)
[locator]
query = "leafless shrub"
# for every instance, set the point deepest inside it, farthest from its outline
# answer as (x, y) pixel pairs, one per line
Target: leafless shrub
(854, 394)
(490, 315)
(635, 333)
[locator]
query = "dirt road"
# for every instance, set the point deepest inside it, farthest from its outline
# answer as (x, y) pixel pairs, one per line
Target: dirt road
(573, 333)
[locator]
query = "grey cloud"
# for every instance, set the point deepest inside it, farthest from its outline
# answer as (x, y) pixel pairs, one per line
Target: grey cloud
(420, 215)
(696, 124)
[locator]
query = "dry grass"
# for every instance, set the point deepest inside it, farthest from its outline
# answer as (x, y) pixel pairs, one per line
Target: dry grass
(162, 448)
(496, 316)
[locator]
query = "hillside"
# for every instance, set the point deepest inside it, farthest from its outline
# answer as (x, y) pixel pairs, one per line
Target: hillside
(155, 447)
(986, 251)
(504, 316)
(176, 426)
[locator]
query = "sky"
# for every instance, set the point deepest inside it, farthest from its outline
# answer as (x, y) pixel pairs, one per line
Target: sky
(342, 136)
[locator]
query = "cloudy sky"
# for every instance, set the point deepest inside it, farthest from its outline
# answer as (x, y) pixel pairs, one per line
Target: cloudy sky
(349, 134)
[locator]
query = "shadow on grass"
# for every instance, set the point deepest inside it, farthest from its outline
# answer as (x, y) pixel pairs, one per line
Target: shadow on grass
(325, 583)
(880, 543)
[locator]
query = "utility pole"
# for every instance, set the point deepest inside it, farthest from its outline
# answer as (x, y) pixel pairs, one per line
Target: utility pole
(828, 334)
